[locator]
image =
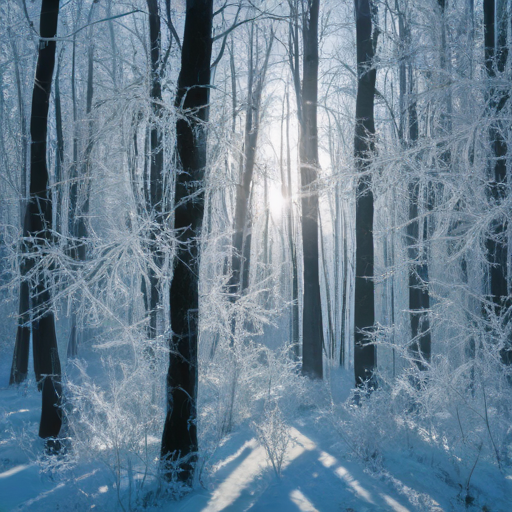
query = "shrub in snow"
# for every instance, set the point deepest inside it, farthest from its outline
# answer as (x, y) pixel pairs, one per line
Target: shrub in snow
(274, 435)
(115, 416)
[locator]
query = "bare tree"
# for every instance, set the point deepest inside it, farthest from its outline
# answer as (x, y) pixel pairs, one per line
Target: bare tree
(38, 232)
(179, 439)
(366, 39)
(496, 54)
(157, 159)
(307, 101)
(240, 261)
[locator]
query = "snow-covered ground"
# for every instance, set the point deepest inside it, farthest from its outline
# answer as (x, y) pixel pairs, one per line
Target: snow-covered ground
(320, 472)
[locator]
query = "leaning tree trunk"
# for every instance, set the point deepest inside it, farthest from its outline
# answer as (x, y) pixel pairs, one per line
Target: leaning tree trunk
(364, 318)
(38, 227)
(312, 329)
(179, 439)
(496, 53)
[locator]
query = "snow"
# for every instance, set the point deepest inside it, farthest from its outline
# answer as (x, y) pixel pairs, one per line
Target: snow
(319, 473)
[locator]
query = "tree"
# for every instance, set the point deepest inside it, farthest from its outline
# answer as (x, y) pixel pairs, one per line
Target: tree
(496, 54)
(80, 196)
(366, 40)
(157, 159)
(419, 299)
(286, 187)
(306, 92)
(38, 231)
(179, 439)
(240, 261)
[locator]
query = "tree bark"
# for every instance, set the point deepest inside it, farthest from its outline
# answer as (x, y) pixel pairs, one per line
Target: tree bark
(157, 163)
(312, 329)
(179, 439)
(496, 54)
(364, 320)
(38, 226)
(419, 298)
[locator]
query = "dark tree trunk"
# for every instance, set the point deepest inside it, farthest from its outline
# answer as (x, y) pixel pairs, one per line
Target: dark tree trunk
(366, 38)
(312, 329)
(157, 162)
(19, 368)
(179, 439)
(496, 53)
(419, 299)
(38, 224)
(59, 157)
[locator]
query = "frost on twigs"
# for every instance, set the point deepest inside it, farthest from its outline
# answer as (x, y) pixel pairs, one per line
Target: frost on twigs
(172, 468)
(274, 435)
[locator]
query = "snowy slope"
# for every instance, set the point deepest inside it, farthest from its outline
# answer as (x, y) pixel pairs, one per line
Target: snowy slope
(319, 473)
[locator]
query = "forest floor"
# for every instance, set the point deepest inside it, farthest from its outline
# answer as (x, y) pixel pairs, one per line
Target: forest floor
(320, 472)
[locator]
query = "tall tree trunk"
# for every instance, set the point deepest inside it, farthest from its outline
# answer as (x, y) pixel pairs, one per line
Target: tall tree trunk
(240, 262)
(419, 299)
(59, 157)
(242, 236)
(345, 340)
(157, 162)
(286, 190)
(38, 225)
(366, 39)
(179, 439)
(312, 329)
(496, 53)
(19, 368)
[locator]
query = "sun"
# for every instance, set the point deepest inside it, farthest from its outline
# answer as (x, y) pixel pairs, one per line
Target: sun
(276, 201)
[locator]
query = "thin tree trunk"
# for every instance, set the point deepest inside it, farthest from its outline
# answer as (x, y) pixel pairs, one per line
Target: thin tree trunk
(242, 236)
(157, 163)
(59, 157)
(496, 54)
(80, 210)
(179, 438)
(329, 306)
(291, 238)
(286, 191)
(240, 262)
(366, 38)
(345, 338)
(419, 299)
(19, 368)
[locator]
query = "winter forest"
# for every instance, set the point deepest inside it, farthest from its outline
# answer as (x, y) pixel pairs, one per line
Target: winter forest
(254, 255)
